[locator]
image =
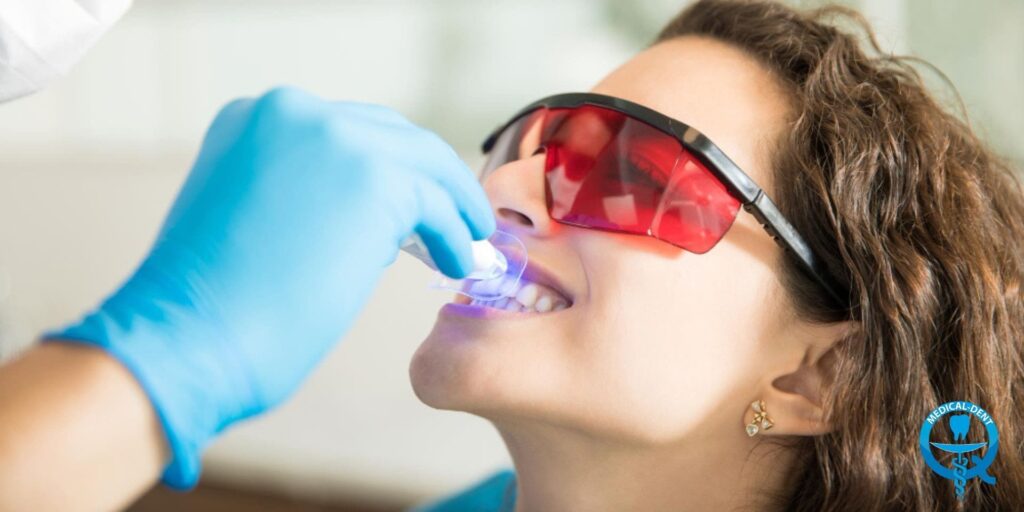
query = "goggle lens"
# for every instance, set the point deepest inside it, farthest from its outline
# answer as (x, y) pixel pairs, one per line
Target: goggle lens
(606, 170)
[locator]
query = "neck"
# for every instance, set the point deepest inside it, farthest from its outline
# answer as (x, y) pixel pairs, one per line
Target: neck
(563, 469)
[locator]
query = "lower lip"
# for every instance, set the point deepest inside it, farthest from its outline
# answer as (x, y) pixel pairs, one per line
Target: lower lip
(467, 310)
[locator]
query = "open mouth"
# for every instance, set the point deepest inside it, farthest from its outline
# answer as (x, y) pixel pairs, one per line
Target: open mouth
(536, 292)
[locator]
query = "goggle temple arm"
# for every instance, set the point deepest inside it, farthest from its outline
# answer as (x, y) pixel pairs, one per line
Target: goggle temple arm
(784, 234)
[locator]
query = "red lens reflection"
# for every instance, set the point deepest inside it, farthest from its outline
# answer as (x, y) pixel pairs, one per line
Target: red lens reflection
(606, 170)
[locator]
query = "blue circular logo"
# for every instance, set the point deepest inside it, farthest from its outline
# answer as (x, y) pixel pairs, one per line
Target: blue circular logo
(961, 469)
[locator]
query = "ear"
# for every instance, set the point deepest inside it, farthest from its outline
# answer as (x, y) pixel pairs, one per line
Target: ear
(793, 398)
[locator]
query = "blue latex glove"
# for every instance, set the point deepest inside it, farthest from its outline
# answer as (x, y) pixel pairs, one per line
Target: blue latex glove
(290, 215)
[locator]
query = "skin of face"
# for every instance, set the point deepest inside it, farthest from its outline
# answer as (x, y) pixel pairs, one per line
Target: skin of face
(660, 346)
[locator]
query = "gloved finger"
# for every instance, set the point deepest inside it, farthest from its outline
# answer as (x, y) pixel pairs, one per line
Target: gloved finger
(223, 132)
(289, 104)
(435, 158)
(374, 112)
(410, 146)
(443, 231)
(228, 125)
(232, 113)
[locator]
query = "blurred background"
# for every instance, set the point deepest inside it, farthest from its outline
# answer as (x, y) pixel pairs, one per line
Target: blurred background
(89, 167)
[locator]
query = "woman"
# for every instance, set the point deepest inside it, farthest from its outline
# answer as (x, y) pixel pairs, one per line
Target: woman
(746, 376)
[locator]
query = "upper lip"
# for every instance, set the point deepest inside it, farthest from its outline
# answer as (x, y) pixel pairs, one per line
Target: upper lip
(537, 273)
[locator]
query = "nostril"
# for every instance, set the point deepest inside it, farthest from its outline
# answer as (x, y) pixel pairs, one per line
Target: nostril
(515, 217)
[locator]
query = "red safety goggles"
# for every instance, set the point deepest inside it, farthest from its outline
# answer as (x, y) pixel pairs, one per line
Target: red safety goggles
(614, 165)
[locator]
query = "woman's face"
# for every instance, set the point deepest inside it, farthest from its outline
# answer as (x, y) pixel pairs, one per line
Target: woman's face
(655, 339)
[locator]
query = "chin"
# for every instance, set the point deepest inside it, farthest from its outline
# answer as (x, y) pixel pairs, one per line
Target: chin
(448, 373)
(499, 356)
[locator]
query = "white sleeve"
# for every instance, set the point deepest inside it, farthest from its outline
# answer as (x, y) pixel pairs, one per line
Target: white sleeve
(40, 40)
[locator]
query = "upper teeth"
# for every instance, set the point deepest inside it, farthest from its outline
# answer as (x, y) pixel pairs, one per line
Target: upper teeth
(530, 297)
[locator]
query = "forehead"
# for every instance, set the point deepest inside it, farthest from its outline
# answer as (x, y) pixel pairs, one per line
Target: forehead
(712, 86)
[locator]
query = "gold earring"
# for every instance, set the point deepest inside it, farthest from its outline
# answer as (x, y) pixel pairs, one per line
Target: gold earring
(761, 420)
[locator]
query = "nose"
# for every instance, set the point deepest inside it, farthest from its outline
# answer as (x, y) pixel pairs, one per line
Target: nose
(516, 191)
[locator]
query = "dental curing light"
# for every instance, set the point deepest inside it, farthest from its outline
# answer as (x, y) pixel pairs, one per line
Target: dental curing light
(498, 265)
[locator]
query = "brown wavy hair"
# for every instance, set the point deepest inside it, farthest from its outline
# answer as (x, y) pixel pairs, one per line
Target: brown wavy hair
(923, 223)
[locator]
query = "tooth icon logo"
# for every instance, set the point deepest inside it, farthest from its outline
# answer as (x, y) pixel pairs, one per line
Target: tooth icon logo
(960, 424)
(958, 468)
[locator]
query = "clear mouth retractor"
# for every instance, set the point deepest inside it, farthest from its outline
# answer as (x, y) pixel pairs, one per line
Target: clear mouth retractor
(498, 265)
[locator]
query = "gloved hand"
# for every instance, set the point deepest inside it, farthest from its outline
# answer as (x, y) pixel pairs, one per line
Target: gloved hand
(290, 215)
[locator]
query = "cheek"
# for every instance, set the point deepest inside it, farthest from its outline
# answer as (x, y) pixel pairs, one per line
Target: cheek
(661, 340)
(669, 341)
